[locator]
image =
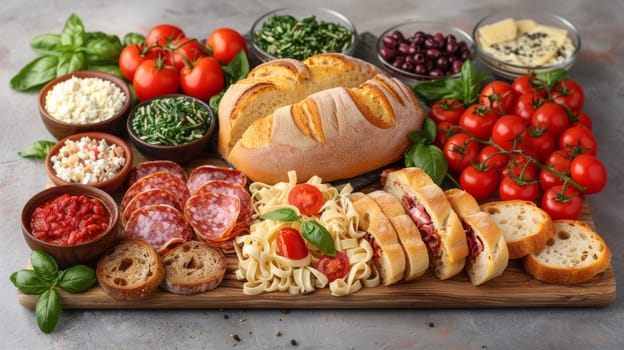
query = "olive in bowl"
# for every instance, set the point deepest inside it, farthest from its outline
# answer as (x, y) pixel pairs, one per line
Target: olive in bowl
(423, 50)
(172, 127)
(84, 101)
(75, 224)
(96, 159)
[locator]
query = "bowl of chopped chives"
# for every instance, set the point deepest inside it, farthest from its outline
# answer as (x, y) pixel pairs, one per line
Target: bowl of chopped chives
(301, 32)
(173, 127)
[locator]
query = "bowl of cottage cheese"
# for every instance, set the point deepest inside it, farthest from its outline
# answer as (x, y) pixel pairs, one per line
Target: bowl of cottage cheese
(85, 101)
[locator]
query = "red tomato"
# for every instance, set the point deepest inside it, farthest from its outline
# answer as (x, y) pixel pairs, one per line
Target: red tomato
(583, 119)
(562, 203)
(443, 132)
(559, 158)
(499, 96)
(570, 94)
(543, 144)
(307, 198)
(225, 43)
(526, 84)
(519, 167)
(186, 51)
(589, 172)
(204, 79)
(509, 132)
(460, 151)
(131, 57)
(290, 244)
(478, 121)
(492, 157)
(446, 110)
(578, 140)
(334, 267)
(552, 117)
(162, 34)
(510, 189)
(152, 79)
(525, 106)
(480, 183)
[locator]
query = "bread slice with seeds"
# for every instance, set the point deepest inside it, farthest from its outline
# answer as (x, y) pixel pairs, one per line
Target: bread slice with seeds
(193, 267)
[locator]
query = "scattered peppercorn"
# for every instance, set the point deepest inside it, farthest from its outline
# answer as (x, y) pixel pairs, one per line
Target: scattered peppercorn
(431, 324)
(293, 342)
(235, 337)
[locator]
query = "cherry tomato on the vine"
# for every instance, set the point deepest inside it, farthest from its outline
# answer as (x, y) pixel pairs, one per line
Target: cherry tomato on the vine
(153, 79)
(509, 132)
(461, 151)
(499, 96)
(446, 110)
(552, 117)
(548, 178)
(583, 119)
(131, 57)
(225, 43)
(162, 34)
(589, 172)
(526, 105)
(481, 183)
(578, 140)
(204, 79)
(543, 144)
(290, 244)
(526, 84)
(511, 188)
(491, 157)
(478, 121)
(569, 93)
(186, 51)
(442, 135)
(562, 203)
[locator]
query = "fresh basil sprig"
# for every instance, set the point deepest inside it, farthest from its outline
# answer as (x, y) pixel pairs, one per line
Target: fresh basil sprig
(72, 50)
(237, 69)
(312, 231)
(42, 280)
(37, 150)
(425, 155)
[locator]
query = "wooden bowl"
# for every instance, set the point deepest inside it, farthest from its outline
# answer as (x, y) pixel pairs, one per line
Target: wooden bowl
(60, 129)
(110, 185)
(70, 255)
(182, 153)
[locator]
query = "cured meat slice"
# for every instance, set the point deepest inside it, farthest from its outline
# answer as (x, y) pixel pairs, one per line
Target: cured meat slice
(160, 225)
(149, 197)
(145, 168)
(205, 173)
(158, 180)
(212, 216)
(234, 189)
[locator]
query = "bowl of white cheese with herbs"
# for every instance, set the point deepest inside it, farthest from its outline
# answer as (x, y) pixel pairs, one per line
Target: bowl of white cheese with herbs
(85, 101)
(515, 44)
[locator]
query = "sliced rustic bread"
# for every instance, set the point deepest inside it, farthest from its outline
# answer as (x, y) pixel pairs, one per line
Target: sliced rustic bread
(193, 267)
(525, 226)
(131, 270)
(575, 254)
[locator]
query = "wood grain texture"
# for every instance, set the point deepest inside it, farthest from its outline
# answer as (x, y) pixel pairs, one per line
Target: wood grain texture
(515, 288)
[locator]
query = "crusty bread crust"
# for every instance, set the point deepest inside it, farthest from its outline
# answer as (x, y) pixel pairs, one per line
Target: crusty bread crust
(525, 226)
(575, 254)
(131, 270)
(416, 184)
(417, 258)
(193, 267)
(390, 259)
(493, 259)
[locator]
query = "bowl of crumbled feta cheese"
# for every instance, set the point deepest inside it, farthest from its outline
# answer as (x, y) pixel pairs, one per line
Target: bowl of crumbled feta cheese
(92, 158)
(518, 43)
(85, 101)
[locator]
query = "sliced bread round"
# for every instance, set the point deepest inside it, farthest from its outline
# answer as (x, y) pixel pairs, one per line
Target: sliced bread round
(575, 254)
(131, 270)
(193, 267)
(525, 226)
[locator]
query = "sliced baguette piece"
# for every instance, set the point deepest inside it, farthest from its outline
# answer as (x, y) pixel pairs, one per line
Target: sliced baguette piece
(525, 226)
(131, 270)
(417, 258)
(193, 267)
(488, 254)
(575, 254)
(426, 204)
(388, 253)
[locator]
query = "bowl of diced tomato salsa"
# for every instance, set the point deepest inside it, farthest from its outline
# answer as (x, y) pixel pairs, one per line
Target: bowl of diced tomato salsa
(73, 223)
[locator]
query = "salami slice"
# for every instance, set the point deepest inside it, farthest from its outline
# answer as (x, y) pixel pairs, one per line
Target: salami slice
(233, 189)
(149, 197)
(160, 225)
(205, 173)
(158, 180)
(212, 216)
(145, 168)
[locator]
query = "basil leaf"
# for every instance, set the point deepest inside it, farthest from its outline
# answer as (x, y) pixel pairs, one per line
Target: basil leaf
(133, 38)
(214, 102)
(318, 235)
(107, 68)
(102, 48)
(71, 62)
(48, 310)
(37, 150)
(552, 77)
(44, 264)
(471, 80)
(77, 279)
(435, 90)
(46, 44)
(30, 282)
(237, 69)
(73, 33)
(36, 73)
(429, 158)
(282, 214)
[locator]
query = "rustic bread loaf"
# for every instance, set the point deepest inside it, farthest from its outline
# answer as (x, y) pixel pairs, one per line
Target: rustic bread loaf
(525, 226)
(131, 270)
(193, 267)
(575, 254)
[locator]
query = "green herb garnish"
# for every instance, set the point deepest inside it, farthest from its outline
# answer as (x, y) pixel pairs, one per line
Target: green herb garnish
(37, 150)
